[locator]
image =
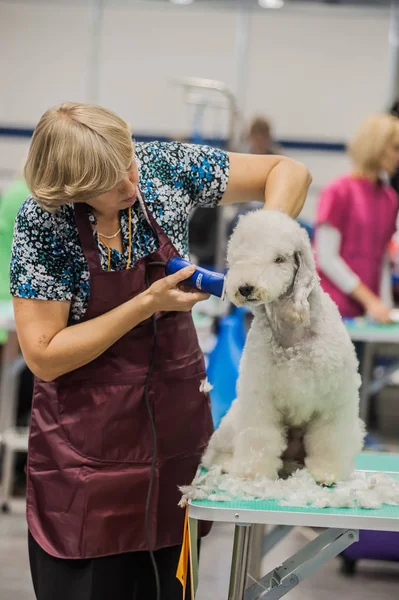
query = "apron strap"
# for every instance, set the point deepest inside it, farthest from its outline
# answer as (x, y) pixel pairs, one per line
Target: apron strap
(89, 246)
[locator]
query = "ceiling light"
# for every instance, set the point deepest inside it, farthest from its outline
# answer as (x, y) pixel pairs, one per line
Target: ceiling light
(181, 1)
(271, 3)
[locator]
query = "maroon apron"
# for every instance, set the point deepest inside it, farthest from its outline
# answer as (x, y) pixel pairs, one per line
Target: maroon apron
(91, 443)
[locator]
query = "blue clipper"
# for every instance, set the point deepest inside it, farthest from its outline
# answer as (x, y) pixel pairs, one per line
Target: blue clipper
(206, 281)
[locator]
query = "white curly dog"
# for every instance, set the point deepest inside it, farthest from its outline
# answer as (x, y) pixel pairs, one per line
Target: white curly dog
(299, 370)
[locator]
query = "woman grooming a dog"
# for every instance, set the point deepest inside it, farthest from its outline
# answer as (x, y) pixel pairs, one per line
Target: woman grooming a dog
(117, 409)
(356, 219)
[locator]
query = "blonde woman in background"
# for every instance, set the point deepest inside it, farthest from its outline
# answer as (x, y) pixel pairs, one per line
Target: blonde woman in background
(356, 219)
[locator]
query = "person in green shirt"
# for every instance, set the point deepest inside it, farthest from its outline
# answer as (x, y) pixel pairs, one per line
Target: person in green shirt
(10, 202)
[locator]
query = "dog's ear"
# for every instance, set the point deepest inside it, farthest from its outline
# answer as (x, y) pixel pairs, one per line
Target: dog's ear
(304, 282)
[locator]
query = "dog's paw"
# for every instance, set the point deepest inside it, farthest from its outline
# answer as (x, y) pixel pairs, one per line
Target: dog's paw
(325, 479)
(323, 474)
(328, 481)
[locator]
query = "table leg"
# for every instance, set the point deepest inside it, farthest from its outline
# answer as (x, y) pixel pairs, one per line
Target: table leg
(194, 562)
(7, 400)
(255, 552)
(263, 540)
(302, 565)
(7, 479)
(239, 563)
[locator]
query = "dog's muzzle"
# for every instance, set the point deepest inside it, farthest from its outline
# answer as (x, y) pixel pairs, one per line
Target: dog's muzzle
(248, 294)
(246, 290)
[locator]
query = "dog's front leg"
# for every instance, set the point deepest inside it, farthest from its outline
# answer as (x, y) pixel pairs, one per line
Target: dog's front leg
(258, 450)
(220, 448)
(332, 444)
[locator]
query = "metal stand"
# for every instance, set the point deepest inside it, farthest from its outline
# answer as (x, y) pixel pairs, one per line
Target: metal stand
(239, 563)
(275, 535)
(304, 563)
(194, 559)
(242, 45)
(96, 18)
(221, 98)
(372, 384)
(366, 374)
(393, 56)
(261, 544)
(255, 552)
(12, 439)
(15, 440)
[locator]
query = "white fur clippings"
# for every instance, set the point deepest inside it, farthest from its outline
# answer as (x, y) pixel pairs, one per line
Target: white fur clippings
(205, 386)
(299, 370)
(361, 490)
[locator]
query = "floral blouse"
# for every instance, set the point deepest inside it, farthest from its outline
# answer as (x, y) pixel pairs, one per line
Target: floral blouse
(47, 261)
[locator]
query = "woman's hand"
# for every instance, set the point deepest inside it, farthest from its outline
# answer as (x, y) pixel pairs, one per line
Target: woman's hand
(380, 313)
(373, 305)
(167, 295)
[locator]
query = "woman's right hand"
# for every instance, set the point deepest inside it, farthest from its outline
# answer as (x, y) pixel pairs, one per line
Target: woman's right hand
(166, 295)
(377, 310)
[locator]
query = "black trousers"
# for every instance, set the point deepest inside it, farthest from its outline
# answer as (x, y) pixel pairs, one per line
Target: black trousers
(123, 577)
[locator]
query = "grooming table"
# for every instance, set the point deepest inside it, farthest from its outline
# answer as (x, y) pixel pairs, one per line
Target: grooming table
(341, 529)
(374, 337)
(12, 439)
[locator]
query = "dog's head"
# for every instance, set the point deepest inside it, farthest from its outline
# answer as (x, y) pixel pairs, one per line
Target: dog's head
(270, 259)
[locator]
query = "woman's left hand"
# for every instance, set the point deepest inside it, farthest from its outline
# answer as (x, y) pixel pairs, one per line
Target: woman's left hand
(379, 312)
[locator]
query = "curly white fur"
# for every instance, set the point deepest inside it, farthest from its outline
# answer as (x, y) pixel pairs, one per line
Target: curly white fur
(298, 369)
(361, 490)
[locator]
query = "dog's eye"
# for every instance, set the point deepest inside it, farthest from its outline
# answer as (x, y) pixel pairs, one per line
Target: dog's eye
(279, 260)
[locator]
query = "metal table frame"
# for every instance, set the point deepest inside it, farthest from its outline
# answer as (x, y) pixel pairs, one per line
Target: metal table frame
(340, 531)
(374, 343)
(12, 439)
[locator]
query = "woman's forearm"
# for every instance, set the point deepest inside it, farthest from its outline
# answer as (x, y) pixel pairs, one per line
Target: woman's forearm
(328, 244)
(79, 344)
(364, 295)
(279, 182)
(287, 186)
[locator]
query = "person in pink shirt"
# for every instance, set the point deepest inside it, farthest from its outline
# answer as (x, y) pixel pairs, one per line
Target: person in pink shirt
(356, 219)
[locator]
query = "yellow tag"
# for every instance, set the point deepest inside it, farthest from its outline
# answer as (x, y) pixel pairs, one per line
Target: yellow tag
(182, 567)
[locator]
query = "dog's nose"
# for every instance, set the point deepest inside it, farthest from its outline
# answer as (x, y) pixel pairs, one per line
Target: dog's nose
(246, 290)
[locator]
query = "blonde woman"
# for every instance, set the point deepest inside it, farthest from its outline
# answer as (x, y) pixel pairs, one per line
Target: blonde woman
(119, 416)
(356, 219)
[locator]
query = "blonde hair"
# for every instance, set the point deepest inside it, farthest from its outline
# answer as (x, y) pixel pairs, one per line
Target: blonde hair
(370, 141)
(78, 151)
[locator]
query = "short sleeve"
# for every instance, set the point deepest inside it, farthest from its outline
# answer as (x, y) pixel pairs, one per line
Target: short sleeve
(332, 206)
(40, 267)
(14, 196)
(198, 173)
